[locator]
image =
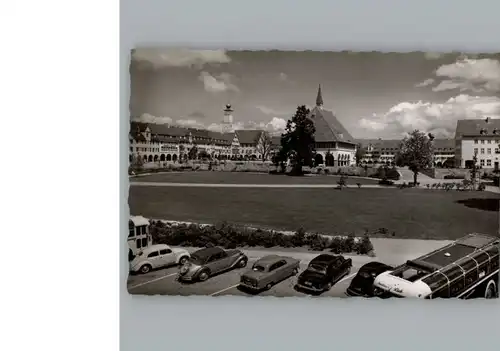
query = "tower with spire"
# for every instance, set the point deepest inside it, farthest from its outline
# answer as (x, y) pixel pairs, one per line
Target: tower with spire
(227, 123)
(319, 98)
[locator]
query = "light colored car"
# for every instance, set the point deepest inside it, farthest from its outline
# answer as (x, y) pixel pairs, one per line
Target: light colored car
(206, 262)
(269, 270)
(157, 256)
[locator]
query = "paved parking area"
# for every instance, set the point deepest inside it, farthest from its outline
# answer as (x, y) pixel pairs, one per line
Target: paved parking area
(163, 281)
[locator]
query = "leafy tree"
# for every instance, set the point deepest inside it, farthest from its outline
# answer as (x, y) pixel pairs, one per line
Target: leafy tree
(137, 161)
(265, 145)
(193, 153)
(416, 152)
(181, 153)
(360, 153)
(204, 155)
(297, 142)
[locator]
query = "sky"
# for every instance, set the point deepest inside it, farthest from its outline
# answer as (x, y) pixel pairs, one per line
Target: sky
(374, 95)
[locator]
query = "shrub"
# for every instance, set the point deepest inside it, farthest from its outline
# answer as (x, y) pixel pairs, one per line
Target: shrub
(359, 185)
(454, 176)
(230, 237)
(481, 187)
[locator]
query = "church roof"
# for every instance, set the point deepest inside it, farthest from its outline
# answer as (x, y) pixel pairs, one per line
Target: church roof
(328, 127)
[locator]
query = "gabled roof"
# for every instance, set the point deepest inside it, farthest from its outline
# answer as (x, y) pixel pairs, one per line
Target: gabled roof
(379, 144)
(473, 127)
(165, 129)
(249, 136)
(228, 136)
(328, 127)
(138, 127)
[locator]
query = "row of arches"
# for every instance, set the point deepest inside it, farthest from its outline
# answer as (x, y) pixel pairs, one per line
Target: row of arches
(329, 160)
(185, 157)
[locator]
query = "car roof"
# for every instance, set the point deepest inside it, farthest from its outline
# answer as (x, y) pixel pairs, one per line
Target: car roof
(155, 247)
(208, 251)
(375, 265)
(324, 259)
(269, 260)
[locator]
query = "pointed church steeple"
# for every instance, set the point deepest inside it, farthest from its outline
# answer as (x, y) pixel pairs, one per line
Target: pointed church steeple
(319, 98)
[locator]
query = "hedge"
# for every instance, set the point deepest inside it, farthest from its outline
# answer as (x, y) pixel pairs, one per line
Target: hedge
(230, 237)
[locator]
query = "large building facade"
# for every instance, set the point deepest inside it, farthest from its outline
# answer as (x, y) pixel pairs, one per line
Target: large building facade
(480, 137)
(164, 143)
(334, 145)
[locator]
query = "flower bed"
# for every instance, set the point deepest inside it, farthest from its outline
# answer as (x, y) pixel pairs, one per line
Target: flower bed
(230, 237)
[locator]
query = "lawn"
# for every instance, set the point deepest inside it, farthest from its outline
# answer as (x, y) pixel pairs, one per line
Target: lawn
(245, 178)
(409, 213)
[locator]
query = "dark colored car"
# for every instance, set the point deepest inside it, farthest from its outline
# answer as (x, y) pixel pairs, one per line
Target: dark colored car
(362, 283)
(267, 271)
(209, 261)
(323, 272)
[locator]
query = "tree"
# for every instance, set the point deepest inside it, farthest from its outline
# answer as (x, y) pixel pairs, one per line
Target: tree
(360, 153)
(193, 153)
(181, 153)
(297, 142)
(265, 145)
(416, 152)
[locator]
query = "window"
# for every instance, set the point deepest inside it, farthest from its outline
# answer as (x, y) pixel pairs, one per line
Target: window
(488, 163)
(482, 141)
(153, 254)
(489, 151)
(475, 141)
(476, 150)
(165, 251)
(131, 232)
(489, 141)
(482, 151)
(482, 162)
(277, 265)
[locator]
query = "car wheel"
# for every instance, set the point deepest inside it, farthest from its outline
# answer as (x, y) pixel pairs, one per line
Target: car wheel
(295, 271)
(183, 260)
(242, 263)
(328, 286)
(491, 291)
(269, 286)
(203, 275)
(146, 268)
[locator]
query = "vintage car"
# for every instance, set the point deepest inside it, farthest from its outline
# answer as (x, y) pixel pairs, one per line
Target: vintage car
(267, 271)
(323, 272)
(156, 256)
(209, 261)
(362, 283)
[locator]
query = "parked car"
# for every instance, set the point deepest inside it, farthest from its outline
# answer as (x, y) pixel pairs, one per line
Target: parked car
(209, 261)
(269, 270)
(323, 272)
(362, 283)
(156, 256)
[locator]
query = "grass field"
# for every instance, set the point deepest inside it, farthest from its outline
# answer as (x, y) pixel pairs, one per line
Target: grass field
(246, 178)
(410, 213)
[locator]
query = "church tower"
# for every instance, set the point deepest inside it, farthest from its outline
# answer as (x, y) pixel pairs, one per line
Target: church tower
(319, 98)
(227, 123)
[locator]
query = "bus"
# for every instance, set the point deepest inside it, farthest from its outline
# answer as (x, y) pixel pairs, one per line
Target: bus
(467, 268)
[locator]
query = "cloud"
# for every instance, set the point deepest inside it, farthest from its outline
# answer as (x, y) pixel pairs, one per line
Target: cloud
(189, 123)
(470, 74)
(433, 55)
(148, 118)
(275, 126)
(424, 83)
(270, 111)
(438, 118)
(158, 57)
(217, 84)
(197, 114)
(283, 76)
